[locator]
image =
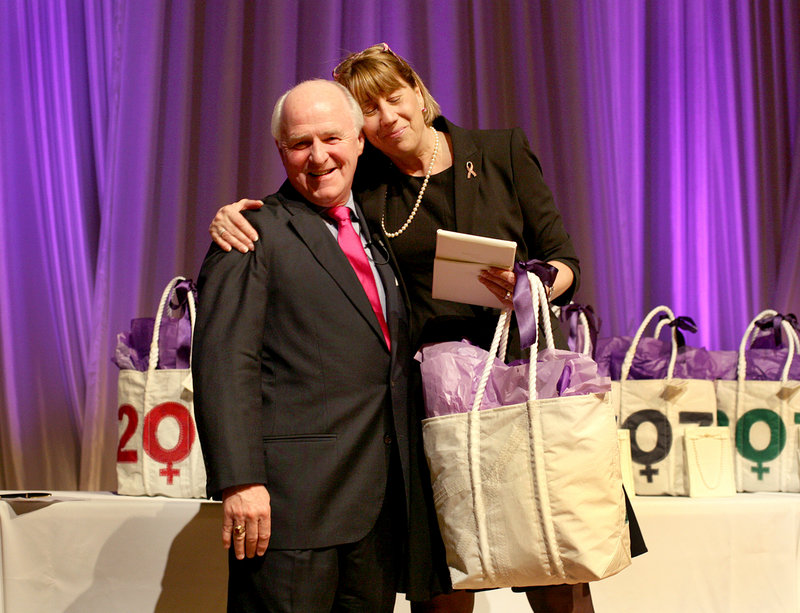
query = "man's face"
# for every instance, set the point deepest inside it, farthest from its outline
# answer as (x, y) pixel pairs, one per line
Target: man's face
(319, 143)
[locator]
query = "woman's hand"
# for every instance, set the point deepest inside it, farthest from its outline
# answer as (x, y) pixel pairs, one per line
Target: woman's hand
(229, 229)
(501, 283)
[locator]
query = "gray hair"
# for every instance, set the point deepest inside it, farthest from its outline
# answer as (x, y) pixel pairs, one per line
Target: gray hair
(355, 108)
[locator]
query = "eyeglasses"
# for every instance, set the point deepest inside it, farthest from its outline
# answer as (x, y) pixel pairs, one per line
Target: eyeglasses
(352, 58)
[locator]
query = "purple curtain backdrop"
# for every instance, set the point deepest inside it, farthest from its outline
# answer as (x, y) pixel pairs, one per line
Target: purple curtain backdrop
(668, 132)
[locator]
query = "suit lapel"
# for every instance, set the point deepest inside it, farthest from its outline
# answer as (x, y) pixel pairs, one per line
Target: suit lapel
(467, 159)
(312, 230)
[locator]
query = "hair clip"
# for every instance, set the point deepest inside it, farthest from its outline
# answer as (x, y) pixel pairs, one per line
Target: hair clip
(335, 73)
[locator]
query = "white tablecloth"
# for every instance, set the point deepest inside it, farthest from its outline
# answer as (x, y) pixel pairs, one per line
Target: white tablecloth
(84, 552)
(706, 555)
(87, 552)
(717, 555)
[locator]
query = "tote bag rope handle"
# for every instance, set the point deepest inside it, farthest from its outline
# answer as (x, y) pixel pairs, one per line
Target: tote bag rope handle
(796, 337)
(626, 363)
(584, 329)
(583, 322)
(497, 348)
(474, 437)
(540, 307)
(660, 326)
(165, 296)
(539, 302)
(747, 339)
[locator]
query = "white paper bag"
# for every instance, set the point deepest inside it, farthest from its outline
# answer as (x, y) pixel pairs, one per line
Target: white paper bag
(709, 461)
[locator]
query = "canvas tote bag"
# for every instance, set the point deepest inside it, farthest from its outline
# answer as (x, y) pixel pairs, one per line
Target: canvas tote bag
(529, 494)
(656, 411)
(158, 451)
(762, 416)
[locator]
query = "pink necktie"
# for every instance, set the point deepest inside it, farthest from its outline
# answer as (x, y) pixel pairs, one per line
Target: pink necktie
(350, 243)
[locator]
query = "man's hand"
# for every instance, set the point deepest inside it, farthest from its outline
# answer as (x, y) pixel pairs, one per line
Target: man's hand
(246, 519)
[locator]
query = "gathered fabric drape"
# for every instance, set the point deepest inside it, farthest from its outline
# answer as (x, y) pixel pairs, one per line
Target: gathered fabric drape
(668, 132)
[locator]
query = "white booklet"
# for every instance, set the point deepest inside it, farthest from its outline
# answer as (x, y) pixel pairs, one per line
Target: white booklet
(459, 260)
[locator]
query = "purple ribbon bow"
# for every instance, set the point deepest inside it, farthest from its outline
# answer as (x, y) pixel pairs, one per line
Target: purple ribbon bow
(522, 297)
(682, 322)
(774, 322)
(176, 334)
(573, 309)
(180, 294)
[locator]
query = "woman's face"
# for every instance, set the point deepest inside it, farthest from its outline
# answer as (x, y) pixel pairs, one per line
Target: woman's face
(394, 122)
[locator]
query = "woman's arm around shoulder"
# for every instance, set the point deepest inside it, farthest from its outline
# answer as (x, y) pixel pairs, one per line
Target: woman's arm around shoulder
(230, 230)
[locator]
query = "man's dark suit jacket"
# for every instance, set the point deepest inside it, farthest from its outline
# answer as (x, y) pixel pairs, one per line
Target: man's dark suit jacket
(294, 385)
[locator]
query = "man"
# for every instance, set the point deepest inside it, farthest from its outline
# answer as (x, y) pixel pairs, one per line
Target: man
(300, 385)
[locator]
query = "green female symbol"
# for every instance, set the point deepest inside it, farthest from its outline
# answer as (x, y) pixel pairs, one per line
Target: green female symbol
(777, 439)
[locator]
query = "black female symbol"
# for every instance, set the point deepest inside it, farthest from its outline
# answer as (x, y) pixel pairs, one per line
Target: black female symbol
(663, 440)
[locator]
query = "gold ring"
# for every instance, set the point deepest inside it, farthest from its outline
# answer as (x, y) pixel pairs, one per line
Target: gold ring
(238, 531)
(223, 231)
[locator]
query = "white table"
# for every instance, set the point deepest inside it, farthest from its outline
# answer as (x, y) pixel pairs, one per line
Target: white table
(721, 555)
(86, 552)
(706, 555)
(82, 552)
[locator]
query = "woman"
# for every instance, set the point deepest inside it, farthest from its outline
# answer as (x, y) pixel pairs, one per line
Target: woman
(423, 173)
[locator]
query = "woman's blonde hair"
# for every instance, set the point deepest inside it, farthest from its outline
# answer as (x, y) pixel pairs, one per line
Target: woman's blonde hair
(378, 71)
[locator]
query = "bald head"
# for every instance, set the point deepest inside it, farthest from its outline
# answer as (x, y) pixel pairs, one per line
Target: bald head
(318, 134)
(312, 88)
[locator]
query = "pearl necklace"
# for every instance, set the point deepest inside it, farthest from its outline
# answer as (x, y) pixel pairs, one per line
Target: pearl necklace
(419, 197)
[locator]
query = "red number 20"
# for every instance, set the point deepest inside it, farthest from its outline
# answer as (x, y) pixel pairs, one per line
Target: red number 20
(151, 444)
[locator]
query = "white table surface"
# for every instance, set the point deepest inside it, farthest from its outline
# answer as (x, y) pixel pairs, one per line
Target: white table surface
(706, 555)
(84, 552)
